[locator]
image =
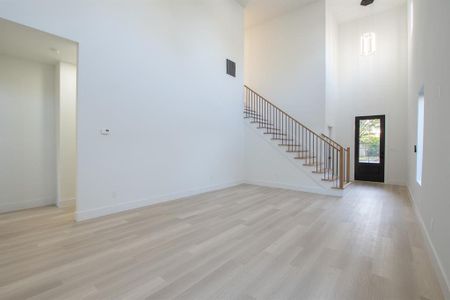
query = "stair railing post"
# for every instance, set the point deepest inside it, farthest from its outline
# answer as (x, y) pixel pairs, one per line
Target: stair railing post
(341, 168)
(348, 164)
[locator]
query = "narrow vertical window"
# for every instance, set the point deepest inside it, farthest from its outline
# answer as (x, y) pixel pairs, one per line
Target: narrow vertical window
(420, 130)
(411, 18)
(368, 44)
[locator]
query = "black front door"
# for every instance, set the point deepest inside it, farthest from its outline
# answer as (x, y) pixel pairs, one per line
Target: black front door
(369, 148)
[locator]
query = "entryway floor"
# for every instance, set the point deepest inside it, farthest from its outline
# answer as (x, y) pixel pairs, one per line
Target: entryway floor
(245, 242)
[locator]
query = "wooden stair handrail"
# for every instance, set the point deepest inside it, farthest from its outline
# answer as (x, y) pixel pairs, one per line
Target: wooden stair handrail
(289, 116)
(327, 156)
(331, 141)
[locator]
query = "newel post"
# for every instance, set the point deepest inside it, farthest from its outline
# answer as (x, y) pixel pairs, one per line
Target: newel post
(341, 168)
(348, 164)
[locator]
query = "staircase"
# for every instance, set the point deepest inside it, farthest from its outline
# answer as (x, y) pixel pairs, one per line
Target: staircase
(315, 151)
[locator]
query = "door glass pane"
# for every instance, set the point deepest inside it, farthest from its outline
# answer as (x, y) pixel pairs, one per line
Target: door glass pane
(369, 141)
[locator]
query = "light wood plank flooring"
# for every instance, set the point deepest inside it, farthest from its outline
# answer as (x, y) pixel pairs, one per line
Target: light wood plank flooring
(245, 242)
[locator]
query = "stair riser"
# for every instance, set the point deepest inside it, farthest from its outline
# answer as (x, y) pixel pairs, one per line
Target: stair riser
(290, 133)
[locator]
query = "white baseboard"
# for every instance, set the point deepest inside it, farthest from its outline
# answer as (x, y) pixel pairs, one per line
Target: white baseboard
(437, 265)
(108, 210)
(279, 185)
(20, 205)
(395, 182)
(66, 203)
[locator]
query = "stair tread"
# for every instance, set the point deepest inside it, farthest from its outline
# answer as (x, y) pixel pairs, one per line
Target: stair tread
(288, 145)
(271, 128)
(317, 163)
(321, 171)
(256, 118)
(262, 122)
(276, 133)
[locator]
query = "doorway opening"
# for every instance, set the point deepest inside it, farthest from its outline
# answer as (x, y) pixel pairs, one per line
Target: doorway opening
(38, 105)
(369, 148)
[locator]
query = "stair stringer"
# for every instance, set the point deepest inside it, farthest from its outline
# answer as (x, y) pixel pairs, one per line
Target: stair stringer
(268, 164)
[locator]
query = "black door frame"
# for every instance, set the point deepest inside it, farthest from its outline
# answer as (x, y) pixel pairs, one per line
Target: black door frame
(377, 170)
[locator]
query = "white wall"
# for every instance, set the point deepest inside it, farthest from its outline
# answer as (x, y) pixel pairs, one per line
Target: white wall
(375, 85)
(332, 72)
(154, 73)
(285, 62)
(27, 135)
(267, 164)
(66, 96)
(429, 66)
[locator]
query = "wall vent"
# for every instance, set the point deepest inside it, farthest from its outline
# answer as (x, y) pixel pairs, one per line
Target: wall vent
(231, 68)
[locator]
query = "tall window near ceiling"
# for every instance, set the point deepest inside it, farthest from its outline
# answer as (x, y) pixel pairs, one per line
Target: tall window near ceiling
(368, 44)
(420, 130)
(411, 18)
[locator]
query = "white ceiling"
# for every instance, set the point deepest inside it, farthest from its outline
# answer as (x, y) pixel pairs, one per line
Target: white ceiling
(347, 10)
(28, 43)
(259, 11)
